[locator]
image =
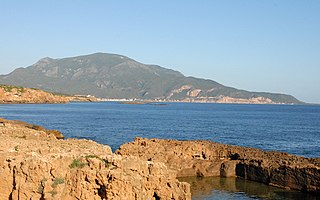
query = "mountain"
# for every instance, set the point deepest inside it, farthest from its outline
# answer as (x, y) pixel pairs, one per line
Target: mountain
(115, 76)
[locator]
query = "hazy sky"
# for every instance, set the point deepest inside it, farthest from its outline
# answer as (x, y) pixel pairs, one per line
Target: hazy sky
(271, 46)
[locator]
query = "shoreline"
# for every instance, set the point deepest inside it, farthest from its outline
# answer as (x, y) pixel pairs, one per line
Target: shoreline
(202, 158)
(20, 95)
(146, 101)
(198, 158)
(37, 164)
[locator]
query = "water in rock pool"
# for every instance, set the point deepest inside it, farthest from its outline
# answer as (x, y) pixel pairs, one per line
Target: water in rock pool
(290, 128)
(212, 188)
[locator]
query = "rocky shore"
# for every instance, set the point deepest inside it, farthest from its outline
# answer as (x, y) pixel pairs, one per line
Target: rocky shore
(20, 95)
(205, 158)
(35, 164)
(14, 94)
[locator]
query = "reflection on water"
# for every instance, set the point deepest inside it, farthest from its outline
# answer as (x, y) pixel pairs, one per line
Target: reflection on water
(209, 188)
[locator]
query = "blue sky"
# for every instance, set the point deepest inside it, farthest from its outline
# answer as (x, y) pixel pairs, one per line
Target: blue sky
(271, 46)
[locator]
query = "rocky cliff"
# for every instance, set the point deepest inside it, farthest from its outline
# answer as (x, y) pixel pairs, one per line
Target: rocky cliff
(205, 158)
(13, 94)
(35, 164)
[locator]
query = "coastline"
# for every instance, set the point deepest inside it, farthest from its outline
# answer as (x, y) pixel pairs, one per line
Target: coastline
(19, 95)
(35, 164)
(202, 158)
(150, 101)
(167, 158)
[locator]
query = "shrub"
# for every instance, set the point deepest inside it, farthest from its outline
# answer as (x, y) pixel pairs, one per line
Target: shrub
(53, 192)
(57, 181)
(41, 185)
(76, 163)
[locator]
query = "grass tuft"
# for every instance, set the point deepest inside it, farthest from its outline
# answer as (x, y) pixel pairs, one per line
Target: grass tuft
(76, 163)
(57, 181)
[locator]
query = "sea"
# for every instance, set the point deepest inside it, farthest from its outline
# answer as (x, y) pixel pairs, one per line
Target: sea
(288, 128)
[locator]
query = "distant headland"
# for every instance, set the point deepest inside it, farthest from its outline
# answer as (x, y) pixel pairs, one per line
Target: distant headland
(20, 95)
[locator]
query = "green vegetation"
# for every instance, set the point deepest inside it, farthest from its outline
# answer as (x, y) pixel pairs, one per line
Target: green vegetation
(57, 181)
(93, 156)
(9, 88)
(76, 163)
(107, 163)
(41, 185)
(53, 192)
(40, 189)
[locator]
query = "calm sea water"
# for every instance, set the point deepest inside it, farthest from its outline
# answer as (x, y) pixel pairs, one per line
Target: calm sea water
(294, 129)
(289, 128)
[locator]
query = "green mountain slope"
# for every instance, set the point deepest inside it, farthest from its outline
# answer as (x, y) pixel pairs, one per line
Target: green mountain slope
(116, 76)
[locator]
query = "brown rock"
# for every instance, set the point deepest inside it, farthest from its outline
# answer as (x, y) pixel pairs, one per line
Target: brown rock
(26, 126)
(34, 164)
(205, 158)
(13, 94)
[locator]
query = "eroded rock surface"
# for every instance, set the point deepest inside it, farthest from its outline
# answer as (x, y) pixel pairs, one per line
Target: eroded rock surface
(205, 158)
(22, 129)
(20, 95)
(34, 164)
(13, 94)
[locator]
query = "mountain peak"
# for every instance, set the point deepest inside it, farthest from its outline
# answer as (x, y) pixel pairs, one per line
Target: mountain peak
(45, 60)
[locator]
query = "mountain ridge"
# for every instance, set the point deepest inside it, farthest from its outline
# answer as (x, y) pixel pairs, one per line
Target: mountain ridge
(116, 76)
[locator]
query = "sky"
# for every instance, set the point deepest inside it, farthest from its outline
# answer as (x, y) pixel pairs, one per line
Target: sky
(270, 46)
